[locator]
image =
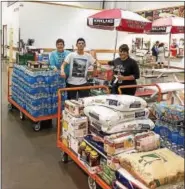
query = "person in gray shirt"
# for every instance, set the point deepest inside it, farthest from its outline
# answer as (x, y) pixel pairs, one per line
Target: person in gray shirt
(79, 62)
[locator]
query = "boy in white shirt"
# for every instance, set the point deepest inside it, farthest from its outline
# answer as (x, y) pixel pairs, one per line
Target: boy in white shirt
(79, 62)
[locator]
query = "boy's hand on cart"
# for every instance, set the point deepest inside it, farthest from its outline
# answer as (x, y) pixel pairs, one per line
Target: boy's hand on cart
(63, 74)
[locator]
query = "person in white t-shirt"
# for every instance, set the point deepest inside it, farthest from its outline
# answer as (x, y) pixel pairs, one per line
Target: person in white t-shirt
(79, 62)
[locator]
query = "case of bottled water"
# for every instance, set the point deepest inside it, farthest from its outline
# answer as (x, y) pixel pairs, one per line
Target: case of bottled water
(36, 91)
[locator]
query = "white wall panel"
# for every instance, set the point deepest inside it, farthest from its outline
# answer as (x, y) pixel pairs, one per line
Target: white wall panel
(45, 23)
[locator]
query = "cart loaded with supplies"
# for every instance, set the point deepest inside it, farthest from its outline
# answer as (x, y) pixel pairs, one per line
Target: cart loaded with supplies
(32, 89)
(113, 137)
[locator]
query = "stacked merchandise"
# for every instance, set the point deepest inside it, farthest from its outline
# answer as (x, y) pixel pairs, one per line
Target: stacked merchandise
(75, 125)
(118, 124)
(170, 126)
(120, 146)
(36, 90)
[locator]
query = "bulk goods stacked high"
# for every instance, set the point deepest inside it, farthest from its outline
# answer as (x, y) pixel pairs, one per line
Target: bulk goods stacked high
(35, 90)
(114, 138)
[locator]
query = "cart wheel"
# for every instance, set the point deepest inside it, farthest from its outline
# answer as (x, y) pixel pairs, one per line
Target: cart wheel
(37, 127)
(22, 116)
(64, 157)
(10, 107)
(92, 184)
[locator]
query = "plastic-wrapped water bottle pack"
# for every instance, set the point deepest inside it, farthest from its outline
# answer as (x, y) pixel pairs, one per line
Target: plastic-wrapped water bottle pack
(36, 91)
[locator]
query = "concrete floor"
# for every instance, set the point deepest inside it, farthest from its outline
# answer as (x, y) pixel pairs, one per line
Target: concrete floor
(31, 160)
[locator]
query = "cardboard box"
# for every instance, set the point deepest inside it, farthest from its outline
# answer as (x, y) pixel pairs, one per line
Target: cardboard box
(75, 122)
(76, 127)
(118, 143)
(74, 143)
(74, 107)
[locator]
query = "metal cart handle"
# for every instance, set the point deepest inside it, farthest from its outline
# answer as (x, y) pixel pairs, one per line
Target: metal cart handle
(73, 89)
(140, 86)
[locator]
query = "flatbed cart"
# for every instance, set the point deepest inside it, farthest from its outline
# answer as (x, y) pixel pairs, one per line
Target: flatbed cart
(170, 89)
(145, 91)
(93, 180)
(37, 120)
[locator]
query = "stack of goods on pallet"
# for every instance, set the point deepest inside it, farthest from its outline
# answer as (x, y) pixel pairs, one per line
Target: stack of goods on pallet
(35, 90)
(117, 142)
(118, 124)
(75, 125)
(170, 126)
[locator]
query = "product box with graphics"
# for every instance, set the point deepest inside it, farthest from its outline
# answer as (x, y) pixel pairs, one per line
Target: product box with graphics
(147, 141)
(65, 137)
(76, 126)
(118, 143)
(74, 107)
(74, 144)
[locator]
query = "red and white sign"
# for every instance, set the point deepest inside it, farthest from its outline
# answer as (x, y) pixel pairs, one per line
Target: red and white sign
(120, 20)
(176, 24)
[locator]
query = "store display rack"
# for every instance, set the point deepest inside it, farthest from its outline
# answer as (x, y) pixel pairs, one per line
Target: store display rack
(37, 120)
(93, 180)
(102, 154)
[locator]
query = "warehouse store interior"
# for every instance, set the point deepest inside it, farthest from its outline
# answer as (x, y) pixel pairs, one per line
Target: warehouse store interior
(92, 94)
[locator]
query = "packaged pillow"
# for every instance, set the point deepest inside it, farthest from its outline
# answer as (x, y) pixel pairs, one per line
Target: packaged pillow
(117, 102)
(109, 117)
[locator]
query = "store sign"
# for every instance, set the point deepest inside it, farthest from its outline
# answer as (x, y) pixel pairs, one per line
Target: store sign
(103, 22)
(158, 29)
